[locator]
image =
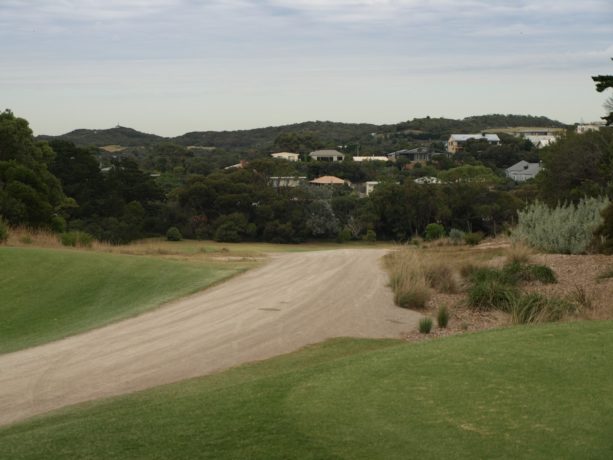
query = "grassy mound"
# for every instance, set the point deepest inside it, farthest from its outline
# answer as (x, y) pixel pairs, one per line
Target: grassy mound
(47, 294)
(530, 392)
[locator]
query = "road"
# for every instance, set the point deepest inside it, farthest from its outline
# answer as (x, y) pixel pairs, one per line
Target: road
(296, 299)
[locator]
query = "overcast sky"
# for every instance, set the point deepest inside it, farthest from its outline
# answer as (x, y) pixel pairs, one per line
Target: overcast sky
(173, 66)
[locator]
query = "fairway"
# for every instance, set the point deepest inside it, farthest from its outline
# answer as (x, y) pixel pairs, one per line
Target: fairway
(529, 392)
(47, 294)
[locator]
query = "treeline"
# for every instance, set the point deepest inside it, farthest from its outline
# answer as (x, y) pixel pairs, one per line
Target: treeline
(61, 186)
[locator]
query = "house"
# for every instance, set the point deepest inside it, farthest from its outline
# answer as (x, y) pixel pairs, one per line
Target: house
(327, 155)
(328, 180)
(427, 180)
(456, 142)
(286, 181)
(243, 164)
(541, 141)
(586, 127)
(523, 171)
(527, 131)
(370, 186)
(289, 156)
(371, 158)
(417, 154)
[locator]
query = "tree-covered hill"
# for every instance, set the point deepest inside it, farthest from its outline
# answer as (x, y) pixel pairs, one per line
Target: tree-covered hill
(320, 133)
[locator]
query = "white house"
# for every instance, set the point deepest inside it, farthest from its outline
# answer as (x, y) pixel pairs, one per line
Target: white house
(289, 156)
(427, 180)
(370, 158)
(456, 142)
(286, 181)
(541, 141)
(586, 127)
(523, 171)
(327, 155)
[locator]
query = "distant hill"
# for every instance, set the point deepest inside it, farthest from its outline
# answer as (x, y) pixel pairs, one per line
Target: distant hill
(328, 132)
(119, 135)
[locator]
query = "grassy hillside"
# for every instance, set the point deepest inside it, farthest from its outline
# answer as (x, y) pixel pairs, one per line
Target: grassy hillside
(46, 294)
(530, 392)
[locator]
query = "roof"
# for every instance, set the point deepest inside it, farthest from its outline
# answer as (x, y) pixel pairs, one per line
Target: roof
(466, 137)
(326, 153)
(371, 158)
(524, 168)
(328, 180)
(285, 154)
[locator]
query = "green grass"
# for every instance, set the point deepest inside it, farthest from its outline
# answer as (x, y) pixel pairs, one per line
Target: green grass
(529, 392)
(47, 294)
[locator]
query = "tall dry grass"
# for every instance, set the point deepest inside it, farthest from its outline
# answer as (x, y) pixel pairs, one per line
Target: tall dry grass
(25, 236)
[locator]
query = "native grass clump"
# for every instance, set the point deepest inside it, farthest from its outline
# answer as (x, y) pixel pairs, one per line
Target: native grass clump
(567, 228)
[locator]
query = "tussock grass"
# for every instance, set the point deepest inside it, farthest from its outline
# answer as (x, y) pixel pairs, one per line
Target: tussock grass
(425, 325)
(605, 274)
(519, 253)
(536, 308)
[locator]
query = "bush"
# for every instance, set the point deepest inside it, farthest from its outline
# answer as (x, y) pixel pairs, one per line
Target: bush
(473, 238)
(442, 317)
(456, 236)
(173, 234)
(343, 236)
(370, 236)
(529, 272)
(604, 233)
(491, 294)
(425, 325)
(567, 229)
(441, 278)
(535, 308)
(414, 297)
(4, 231)
(76, 238)
(434, 232)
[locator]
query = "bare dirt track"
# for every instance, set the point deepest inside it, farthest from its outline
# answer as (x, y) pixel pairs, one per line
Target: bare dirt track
(294, 300)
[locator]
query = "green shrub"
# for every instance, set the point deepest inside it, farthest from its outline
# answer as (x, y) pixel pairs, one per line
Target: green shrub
(473, 238)
(456, 236)
(434, 232)
(491, 294)
(530, 272)
(370, 236)
(4, 231)
(604, 233)
(536, 308)
(567, 229)
(343, 236)
(173, 234)
(414, 297)
(442, 317)
(425, 325)
(77, 238)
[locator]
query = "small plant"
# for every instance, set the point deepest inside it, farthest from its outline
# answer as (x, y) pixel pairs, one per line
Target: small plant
(529, 272)
(434, 232)
(173, 234)
(491, 294)
(456, 236)
(606, 274)
(370, 236)
(77, 238)
(473, 238)
(441, 278)
(425, 325)
(536, 308)
(442, 317)
(4, 231)
(580, 296)
(414, 297)
(25, 239)
(519, 253)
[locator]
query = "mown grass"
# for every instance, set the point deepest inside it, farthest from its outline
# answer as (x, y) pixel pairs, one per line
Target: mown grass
(47, 294)
(531, 392)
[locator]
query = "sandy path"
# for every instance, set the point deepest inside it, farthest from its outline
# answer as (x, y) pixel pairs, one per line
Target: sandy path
(294, 300)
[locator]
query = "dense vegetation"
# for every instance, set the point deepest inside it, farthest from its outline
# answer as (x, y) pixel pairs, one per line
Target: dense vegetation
(533, 393)
(160, 183)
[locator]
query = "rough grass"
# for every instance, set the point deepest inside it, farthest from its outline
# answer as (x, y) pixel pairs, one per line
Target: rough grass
(531, 393)
(47, 294)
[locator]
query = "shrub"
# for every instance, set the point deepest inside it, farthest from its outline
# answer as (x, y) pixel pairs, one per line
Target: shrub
(343, 236)
(370, 236)
(173, 234)
(415, 297)
(4, 231)
(25, 239)
(441, 277)
(76, 238)
(491, 294)
(434, 232)
(580, 296)
(604, 233)
(456, 236)
(442, 317)
(425, 325)
(473, 238)
(519, 253)
(567, 229)
(536, 308)
(529, 272)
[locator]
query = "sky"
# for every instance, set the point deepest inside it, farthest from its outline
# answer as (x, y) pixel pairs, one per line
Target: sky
(174, 66)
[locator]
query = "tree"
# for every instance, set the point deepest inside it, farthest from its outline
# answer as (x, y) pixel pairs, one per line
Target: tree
(604, 82)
